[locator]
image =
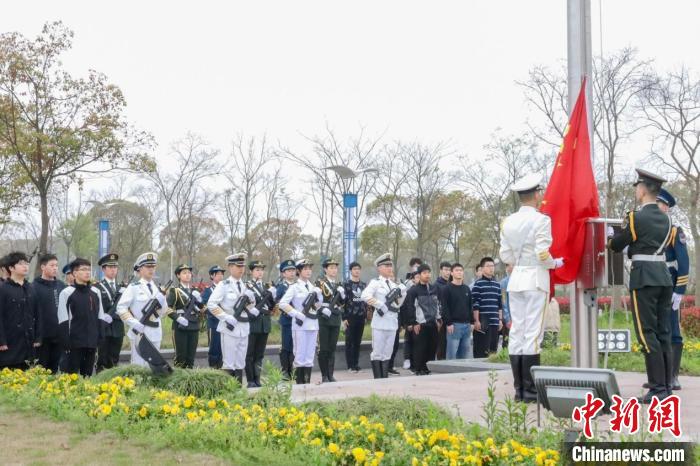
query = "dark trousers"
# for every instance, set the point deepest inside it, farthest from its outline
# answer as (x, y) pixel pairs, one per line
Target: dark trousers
(353, 339)
(108, 353)
(254, 354)
(215, 358)
(185, 347)
(505, 332)
(651, 306)
(327, 342)
(49, 354)
(424, 346)
(79, 361)
(408, 345)
(441, 352)
(396, 348)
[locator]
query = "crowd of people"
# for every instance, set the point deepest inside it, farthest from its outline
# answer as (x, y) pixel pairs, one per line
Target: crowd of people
(79, 326)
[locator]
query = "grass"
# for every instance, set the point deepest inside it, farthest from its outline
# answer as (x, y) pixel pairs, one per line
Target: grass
(32, 439)
(630, 362)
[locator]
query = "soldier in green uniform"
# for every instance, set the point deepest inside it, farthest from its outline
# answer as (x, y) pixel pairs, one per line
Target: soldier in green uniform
(646, 232)
(330, 318)
(259, 325)
(185, 304)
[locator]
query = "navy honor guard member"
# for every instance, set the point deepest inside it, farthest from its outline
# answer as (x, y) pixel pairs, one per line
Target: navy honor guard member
(216, 274)
(330, 319)
(260, 326)
(288, 270)
(526, 237)
(304, 335)
(385, 319)
(111, 345)
(135, 298)
(645, 233)
(678, 265)
(185, 304)
(234, 318)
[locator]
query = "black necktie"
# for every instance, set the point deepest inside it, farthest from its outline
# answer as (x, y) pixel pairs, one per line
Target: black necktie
(239, 286)
(388, 284)
(150, 289)
(307, 287)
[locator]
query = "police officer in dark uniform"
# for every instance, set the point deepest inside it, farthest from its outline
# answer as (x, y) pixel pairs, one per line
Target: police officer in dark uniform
(330, 318)
(260, 325)
(354, 317)
(288, 270)
(646, 232)
(678, 265)
(185, 304)
(113, 327)
(216, 274)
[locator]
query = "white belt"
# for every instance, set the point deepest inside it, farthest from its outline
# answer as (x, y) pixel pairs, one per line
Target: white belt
(528, 264)
(649, 257)
(672, 264)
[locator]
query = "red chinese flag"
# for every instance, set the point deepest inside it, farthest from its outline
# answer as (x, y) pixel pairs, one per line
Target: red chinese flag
(571, 196)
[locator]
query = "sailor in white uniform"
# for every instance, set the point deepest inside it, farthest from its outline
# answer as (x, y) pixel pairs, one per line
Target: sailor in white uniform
(234, 329)
(304, 335)
(526, 237)
(135, 298)
(385, 319)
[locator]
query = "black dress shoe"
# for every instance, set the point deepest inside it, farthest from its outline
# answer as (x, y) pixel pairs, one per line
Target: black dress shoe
(393, 371)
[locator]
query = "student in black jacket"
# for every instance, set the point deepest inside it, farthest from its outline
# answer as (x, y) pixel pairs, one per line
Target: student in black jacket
(422, 314)
(80, 318)
(457, 314)
(354, 317)
(20, 322)
(47, 288)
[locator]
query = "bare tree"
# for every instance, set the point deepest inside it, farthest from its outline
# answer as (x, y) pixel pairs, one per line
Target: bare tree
(671, 108)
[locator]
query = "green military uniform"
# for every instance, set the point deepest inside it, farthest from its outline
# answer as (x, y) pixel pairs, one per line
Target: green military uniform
(260, 326)
(645, 233)
(328, 326)
(185, 304)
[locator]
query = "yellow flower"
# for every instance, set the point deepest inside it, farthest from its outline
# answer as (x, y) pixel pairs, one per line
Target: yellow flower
(192, 416)
(399, 426)
(333, 448)
(359, 454)
(167, 409)
(74, 377)
(372, 438)
(316, 442)
(211, 404)
(106, 409)
(143, 412)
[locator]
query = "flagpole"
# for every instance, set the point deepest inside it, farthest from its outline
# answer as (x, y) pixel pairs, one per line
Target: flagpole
(584, 319)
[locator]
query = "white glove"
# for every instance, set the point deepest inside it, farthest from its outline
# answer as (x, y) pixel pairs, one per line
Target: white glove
(182, 321)
(250, 295)
(319, 305)
(272, 290)
(107, 318)
(299, 315)
(197, 296)
(341, 292)
(383, 308)
(319, 293)
(611, 232)
(676, 301)
(252, 310)
(138, 326)
(558, 262)
(402, 287)
(326, 312)
(231, 320)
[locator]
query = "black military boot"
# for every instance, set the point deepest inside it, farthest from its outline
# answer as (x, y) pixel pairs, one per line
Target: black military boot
(376, 369)
(250, 375)
(284, 365)
(515, 363)
(238, 373)
(677, 355)
(529, 390)
(656, 371)
(385, 369)
(331, 369)
(668, 373)
(230, 372)
(307, 374)
(257, 370)
(300, 376)
(323, 366)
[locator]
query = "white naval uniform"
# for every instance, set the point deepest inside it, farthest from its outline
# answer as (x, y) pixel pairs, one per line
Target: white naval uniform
(234, 343)
(526, 237)
(383, 327)
(304, 336)
(129, 308)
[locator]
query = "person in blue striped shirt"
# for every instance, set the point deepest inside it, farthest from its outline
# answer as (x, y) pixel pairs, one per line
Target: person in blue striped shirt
(488, 310)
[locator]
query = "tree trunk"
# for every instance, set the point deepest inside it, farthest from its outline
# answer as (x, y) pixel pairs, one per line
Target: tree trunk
(44, 238)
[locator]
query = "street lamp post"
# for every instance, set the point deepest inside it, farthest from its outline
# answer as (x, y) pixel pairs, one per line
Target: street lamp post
(348, 175)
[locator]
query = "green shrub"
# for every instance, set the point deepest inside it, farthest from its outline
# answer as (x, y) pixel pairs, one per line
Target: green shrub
(203, 383)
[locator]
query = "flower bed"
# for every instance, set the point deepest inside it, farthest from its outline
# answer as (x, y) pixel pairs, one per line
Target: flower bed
(228, 428)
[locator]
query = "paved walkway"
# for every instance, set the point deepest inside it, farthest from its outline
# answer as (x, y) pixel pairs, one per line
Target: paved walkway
(465, 393)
